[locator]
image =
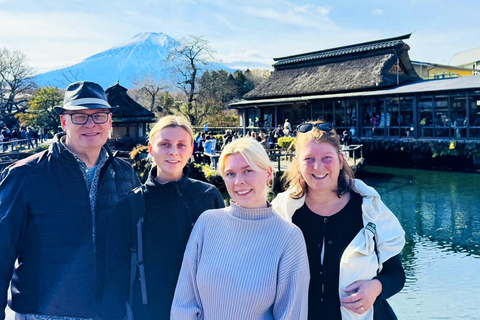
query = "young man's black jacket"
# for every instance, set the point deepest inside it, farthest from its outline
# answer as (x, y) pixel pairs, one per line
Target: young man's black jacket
(46, 222)
(171, 209)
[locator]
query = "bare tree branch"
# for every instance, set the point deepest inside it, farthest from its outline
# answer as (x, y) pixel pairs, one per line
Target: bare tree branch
(15, 79)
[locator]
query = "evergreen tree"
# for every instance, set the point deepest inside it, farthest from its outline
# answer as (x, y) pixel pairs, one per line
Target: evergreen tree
(40, 113)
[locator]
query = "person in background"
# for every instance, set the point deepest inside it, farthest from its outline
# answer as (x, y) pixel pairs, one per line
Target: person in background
(173, 203)
(214, 143)
(346, 139)
(287, 128)
(244, 261)
(353, 240)
(54, 208)
(227, 138)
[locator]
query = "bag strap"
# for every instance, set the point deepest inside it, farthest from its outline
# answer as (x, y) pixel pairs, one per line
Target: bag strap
(137, 204)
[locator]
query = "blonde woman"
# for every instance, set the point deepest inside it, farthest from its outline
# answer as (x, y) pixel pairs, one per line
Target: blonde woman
(173, 202)
(353, 239)
(244, 261)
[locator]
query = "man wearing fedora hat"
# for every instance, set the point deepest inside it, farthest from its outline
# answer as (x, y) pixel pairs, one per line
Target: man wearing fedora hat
(54, 208)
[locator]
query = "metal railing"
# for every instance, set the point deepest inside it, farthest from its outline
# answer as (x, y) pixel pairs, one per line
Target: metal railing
(354, 152)
(18, 144)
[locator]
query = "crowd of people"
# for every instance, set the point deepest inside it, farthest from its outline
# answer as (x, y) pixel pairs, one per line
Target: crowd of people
(205, 142)
(81, 238)
(34, 136)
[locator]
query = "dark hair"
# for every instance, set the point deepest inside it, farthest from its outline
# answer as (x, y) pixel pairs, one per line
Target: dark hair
(293, 178)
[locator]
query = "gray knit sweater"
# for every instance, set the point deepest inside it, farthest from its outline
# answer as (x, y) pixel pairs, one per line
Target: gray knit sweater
(243, 264)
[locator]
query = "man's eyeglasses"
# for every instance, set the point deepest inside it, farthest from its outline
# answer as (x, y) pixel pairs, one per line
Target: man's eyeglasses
(82, 118)
(324, 126)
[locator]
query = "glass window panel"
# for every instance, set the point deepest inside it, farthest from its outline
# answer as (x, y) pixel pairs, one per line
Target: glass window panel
(317, 110)
(474, 120)
(378, 115)
(458, 119)
(425, 116)
(441, 123)
(405, 118)
(268, 114)
(328, 110)
(366, 112)
(390, 118)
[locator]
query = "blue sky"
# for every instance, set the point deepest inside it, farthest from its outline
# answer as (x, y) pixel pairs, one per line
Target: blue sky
(245, 33)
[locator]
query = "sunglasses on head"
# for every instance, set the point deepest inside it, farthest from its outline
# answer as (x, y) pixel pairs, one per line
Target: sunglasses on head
(324, 126)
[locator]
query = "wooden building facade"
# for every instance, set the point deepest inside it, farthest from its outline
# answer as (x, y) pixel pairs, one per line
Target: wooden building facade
(130, 119)
(370, 89)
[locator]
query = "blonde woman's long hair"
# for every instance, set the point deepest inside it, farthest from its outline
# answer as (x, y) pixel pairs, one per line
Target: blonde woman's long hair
(292, 177)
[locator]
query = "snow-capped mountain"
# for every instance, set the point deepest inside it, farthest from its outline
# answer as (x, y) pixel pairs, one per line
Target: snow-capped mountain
(143, 55)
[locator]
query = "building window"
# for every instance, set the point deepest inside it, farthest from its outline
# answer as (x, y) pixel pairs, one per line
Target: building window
(458, 127)
(474, 119)
(405, 117)
(425, 116)
(441, 123)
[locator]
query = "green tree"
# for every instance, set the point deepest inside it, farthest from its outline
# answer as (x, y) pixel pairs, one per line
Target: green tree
(40, 111)
(243, 82)
(218, 86)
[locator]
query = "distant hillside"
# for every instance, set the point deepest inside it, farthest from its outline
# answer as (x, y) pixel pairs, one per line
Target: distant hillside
(144, 54)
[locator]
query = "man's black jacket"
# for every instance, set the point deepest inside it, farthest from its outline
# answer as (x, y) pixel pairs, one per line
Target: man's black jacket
(46, 222)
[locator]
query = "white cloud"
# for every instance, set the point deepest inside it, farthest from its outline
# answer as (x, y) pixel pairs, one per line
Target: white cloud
(228, 22)
(303, 9)
(324, 11)
(53, 39)
(297, 16)
(377, 12)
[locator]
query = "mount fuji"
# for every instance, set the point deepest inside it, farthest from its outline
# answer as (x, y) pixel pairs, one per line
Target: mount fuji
(143, 55)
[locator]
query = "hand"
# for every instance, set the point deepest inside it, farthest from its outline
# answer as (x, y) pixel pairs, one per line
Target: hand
(362, 295)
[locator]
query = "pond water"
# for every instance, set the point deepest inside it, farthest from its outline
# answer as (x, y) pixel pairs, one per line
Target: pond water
(440, 212)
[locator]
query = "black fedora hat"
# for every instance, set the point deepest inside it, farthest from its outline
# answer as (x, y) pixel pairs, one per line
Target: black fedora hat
(84, 95)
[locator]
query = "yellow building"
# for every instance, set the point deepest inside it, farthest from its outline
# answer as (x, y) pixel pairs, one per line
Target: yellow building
(429, 71)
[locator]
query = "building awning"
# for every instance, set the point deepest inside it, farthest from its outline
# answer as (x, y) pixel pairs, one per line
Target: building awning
(462, 83)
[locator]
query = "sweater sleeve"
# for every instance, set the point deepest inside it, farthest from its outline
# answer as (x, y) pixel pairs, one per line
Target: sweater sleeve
(392, 277)
(186, 301)
(291, 301)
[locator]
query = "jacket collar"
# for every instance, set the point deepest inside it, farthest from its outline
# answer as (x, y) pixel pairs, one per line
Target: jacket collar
(57, 149)
(182, 183)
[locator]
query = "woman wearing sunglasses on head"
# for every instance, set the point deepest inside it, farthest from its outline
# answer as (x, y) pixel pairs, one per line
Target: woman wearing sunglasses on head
(243, 262)
(353, 240)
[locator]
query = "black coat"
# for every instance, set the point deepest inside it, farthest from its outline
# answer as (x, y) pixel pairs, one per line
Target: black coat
(47, 223)
(171, 210)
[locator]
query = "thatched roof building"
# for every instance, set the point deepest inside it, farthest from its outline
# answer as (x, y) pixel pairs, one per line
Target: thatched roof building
(370, 89)
(370, 65)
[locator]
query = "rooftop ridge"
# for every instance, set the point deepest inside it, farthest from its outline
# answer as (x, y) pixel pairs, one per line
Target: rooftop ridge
(350, 49)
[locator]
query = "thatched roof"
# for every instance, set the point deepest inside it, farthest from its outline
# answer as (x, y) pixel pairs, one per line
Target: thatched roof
(365, 66)
(128, 110)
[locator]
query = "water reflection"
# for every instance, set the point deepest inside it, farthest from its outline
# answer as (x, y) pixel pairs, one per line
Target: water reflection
(441, 206)
(438, 211)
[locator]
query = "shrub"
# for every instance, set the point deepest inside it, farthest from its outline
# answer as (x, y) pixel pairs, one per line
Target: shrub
(141, 162)
(219, 138)
(285, 142)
